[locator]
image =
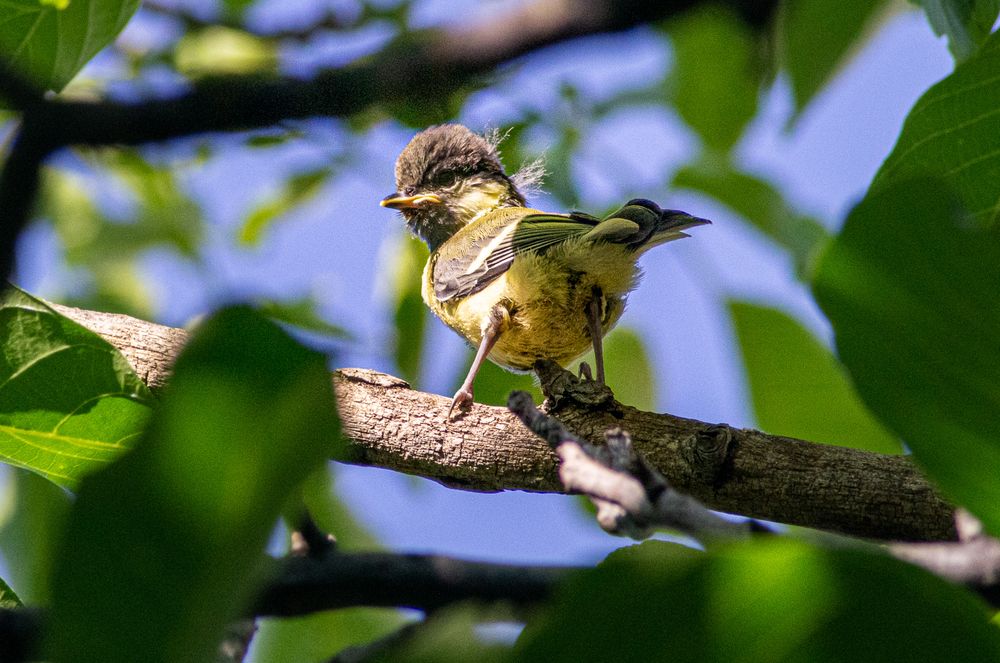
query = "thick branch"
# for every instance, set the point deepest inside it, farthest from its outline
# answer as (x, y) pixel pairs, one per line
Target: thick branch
(741, 471)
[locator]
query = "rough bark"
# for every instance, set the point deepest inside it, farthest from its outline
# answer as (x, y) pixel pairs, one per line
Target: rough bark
(735, 470)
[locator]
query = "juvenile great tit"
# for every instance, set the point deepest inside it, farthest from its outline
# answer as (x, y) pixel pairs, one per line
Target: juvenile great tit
(519, 283)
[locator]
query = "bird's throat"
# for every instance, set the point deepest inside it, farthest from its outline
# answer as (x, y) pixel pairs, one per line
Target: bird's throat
(435, 224)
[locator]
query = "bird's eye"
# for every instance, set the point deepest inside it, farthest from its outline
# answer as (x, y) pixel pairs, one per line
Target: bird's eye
(446, 178)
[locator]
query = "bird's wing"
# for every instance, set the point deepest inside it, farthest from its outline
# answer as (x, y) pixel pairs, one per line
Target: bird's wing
(474, 260)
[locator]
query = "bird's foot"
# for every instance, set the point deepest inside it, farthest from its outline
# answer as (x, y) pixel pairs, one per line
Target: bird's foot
(462, 400)
(585, 373)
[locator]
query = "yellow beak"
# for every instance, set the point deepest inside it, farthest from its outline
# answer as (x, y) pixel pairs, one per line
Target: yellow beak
(396, 201)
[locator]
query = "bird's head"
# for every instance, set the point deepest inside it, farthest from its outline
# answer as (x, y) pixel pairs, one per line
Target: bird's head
(445, 176)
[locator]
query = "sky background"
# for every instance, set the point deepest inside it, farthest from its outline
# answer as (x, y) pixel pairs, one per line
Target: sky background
(335, 247)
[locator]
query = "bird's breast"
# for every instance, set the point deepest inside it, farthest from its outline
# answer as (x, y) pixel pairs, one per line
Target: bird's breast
(547, 296)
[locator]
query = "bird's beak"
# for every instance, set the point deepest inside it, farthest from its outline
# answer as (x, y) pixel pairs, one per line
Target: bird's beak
(396, 201)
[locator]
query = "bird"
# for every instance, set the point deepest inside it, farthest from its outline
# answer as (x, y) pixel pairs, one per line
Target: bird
(519, 284)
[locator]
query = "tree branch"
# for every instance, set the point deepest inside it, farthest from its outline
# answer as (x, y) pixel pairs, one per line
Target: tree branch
(747, 472)
(306, 585)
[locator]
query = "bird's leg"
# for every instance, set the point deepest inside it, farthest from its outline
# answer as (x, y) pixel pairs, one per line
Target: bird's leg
(499, 316)
(595, 312)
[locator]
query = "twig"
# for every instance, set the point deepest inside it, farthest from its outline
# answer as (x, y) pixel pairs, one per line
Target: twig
(631, 496)
(303, 585)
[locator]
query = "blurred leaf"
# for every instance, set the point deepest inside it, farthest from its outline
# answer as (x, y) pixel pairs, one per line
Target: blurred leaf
(300, 313)
(28, 538)
(717, 74)
(58, 427)
(966, 23)
(402, 260)
(318, 637)
(446, 636)
(8, 598)
(332, 515)
(911, 289)
(297, 190)
(773, 600)
(758, 202)
(166, 543)
(51, 41)
(951, 133)
(493, 384)
(627, 369)
(797, 387)
(236, 8)
(219, 50)
(817, 36)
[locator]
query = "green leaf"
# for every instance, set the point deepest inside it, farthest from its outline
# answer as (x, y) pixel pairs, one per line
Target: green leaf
(773, 600)
(167, 543)
(493, 384)
(966, 23)
(331, 515)
(297, 190)
(300, 313)
(797, 387)
(911, 289)
(218, 50)
(51, 41)
(28, 538)
(403, 262)
(717, 74)
(8, 598)
(627, 368)
(69, 401)
(318, 637)
(447, 636)
(951, 133)
(758, 202)
(816, 38)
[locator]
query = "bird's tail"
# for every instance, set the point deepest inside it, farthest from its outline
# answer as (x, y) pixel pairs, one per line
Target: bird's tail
(641, 224)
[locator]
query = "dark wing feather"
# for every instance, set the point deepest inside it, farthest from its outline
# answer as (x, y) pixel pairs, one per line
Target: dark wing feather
(469, 271)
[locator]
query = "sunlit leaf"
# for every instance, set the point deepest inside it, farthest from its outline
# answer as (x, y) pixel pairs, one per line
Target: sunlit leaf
(167, 543)
(911, 286)
(69, 401)
(297, 190)
(51, 41)
(758, 202)
(220, 50)
(966, 23)
(817, 37)
(951, 133)
(717, 74)
(774, 600)
(798, 388)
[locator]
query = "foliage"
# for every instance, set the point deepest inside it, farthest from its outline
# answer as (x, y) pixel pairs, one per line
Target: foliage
(174, 499)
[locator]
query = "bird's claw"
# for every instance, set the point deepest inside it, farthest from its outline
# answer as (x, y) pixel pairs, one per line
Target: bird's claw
(585, 373)
(462, 399)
